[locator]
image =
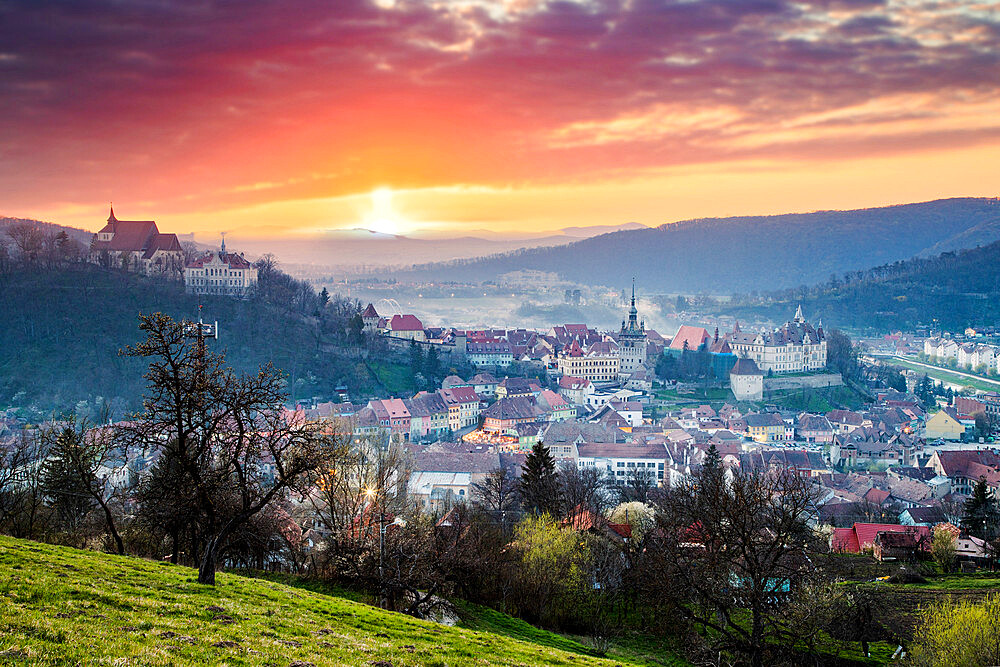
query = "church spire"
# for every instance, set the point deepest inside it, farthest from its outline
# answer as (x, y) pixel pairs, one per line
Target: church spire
(223, 249)
(111, 217)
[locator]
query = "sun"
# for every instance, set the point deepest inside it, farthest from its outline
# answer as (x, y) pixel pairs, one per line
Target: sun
(383, 218)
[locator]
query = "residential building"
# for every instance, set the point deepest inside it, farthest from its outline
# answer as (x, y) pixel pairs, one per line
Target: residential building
(407, 327)
(944, 425)
(766, 427)
(600, 363)
(575, 390)
(965, 467)
(618, 460)
(494, 353)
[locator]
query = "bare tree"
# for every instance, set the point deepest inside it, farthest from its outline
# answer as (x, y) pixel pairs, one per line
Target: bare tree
(733, 551)
(83, 469)
(226, 433)
(498, 495)
(582, 487)
(28, 239)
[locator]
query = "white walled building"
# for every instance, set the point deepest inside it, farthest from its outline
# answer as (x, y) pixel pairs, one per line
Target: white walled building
(792, 348)
(222, 273)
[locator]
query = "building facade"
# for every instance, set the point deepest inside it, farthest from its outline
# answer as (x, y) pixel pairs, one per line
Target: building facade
(136, 245)
(794, 347)
(222, 273)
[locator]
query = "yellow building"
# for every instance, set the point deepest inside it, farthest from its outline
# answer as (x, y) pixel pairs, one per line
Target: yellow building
(599, 364)
(766, 427)
(944, 425)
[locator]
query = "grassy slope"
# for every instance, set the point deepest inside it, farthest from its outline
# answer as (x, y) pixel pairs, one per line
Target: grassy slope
(61, 606)
(946, 375)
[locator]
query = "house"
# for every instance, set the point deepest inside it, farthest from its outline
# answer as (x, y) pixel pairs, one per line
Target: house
(616, 461)
(392, 415)
(464, 406)
(575, 390)
(506, 413)
(407, 327)
(860, 537)
(630, 411)
(513, 387)
(586, 520)
(898, 545)
(944, 425)
(221, 272)
(921, 516)
(965, 467)
(439, 479)
(813, 428)
(765, 427)
(136, 245)
(746, 380)
(803, 462)
(845, 421)
(559, 437)
(484, 384)
(554, 407)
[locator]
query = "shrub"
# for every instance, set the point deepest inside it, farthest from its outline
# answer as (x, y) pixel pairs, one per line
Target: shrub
(958, 634)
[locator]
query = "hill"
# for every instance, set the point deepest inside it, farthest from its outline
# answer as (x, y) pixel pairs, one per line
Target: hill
(723, 255)
(64, 606)
(62, 330)
(953, 290)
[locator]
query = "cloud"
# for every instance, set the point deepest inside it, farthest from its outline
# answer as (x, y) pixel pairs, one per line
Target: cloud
(233, 104)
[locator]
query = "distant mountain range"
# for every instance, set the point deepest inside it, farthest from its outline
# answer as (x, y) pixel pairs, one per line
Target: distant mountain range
(359, 249)
(725, 255)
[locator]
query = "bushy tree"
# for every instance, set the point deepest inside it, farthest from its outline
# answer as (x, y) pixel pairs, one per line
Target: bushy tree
(956, 634)
(943, 548)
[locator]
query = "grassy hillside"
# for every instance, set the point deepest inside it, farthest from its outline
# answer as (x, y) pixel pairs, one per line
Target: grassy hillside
(723, 255)
(62, 330)
(65, 606)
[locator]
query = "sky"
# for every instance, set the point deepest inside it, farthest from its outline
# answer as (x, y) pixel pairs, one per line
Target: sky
(516, 117)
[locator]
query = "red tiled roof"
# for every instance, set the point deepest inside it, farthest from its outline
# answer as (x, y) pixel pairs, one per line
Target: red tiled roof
(369, 312)
(694, 336)
(405, 323)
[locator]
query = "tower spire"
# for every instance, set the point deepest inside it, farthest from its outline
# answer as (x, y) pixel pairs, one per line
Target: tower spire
(111, 216)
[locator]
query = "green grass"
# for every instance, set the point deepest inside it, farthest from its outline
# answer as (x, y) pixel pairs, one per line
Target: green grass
(946, 375)
(814, 399)
(959, 582)
(397, 379)
(633, 648)
(65, 606)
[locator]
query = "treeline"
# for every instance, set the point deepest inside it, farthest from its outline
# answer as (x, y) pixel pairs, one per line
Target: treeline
(63, 322)
(762, 252)
(953, 290)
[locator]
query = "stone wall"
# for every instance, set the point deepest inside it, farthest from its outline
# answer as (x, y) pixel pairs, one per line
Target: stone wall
(778, 383)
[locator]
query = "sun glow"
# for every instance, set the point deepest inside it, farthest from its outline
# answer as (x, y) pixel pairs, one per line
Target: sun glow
(382, 218)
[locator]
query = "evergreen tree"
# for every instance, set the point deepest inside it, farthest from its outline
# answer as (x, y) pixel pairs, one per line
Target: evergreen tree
(432, 365)
(980, 516)
(324, 297)
(63, 482)
(540, 492)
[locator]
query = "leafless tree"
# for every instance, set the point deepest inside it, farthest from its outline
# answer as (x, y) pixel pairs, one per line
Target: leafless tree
(22, 500)
(733, 552)
(28, 239)
(497, 494)
(227, 434)
(583, 487)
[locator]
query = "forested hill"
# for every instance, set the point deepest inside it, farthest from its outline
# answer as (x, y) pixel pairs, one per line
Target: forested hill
(61, 330)
(725, 255)
(953, 290)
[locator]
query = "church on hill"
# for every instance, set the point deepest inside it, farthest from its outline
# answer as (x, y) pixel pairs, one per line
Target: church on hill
(136, 245)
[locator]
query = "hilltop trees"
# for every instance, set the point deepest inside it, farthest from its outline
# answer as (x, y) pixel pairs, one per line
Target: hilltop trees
(230, 446)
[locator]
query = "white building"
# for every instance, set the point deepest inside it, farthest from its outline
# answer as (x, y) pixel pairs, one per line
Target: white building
(632, 343)
(222, 273)
(792, 348)
(746, 380)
